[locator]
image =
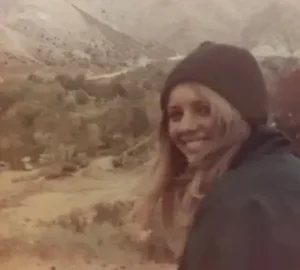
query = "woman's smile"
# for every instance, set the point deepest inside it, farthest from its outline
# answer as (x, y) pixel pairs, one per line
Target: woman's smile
(189, 120)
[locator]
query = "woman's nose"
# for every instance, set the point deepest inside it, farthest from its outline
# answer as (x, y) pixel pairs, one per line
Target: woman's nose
(188, 123)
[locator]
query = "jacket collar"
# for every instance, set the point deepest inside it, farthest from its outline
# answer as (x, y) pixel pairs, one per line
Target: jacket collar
(262, 140)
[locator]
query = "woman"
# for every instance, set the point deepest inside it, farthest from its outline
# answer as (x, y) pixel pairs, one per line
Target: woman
(223, 176)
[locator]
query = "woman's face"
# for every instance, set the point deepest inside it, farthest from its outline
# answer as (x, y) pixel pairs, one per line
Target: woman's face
(189, 120)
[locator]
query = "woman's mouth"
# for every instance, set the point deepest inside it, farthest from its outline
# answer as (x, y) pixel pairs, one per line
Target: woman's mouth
(194, 145)
(194, 140)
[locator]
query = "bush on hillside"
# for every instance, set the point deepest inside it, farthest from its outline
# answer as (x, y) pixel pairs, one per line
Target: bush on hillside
(70, 83)
(52, 122)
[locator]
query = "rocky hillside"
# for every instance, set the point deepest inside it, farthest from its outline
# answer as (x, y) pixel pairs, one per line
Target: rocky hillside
(105, 34)
(58, 33)
(108, 35)
(175, 23)
(277, 25)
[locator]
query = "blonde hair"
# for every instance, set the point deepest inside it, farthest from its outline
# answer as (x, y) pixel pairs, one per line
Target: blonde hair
(179, 186)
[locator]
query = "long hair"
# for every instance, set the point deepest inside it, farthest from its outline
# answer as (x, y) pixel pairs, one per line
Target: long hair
(179, 186)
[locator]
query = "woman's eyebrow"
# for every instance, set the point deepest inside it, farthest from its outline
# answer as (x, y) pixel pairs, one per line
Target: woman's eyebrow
(200, 102)
(172, 107)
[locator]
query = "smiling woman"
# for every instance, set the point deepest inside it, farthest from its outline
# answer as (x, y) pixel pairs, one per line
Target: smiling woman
(199, 120)
(226, 181)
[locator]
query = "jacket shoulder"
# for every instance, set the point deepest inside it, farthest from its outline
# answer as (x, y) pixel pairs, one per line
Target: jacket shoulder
(235, 225)
(269, 178)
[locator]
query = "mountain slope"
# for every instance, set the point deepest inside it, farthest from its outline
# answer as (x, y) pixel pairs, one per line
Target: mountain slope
(111, 34)
(178, 24)
(58, 33)
(277, 25)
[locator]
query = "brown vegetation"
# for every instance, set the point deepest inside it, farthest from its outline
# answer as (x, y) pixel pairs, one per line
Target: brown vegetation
(60, 119)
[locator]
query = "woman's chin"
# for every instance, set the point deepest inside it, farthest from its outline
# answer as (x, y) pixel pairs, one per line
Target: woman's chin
(192, 150)
(192, 157)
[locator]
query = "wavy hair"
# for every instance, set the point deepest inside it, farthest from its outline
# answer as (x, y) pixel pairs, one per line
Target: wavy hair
(179, 187)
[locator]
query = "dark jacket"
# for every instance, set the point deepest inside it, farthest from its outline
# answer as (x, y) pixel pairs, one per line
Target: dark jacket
(250, 218)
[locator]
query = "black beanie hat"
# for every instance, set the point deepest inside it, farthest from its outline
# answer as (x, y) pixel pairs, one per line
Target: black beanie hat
(230, 71)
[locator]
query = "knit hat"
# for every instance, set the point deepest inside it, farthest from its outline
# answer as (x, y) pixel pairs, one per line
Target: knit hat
(230, 71)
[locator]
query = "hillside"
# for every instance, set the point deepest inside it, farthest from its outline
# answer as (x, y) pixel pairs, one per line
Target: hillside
(60, 34)
(181, 25)
(108, 35)
(276, 25)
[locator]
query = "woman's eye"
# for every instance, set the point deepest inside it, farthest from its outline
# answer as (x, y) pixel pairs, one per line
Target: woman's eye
(203, 110)
(175, 115)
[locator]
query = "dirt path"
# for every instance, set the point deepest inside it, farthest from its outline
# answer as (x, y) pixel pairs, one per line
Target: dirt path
(126, 70)
(70, 223)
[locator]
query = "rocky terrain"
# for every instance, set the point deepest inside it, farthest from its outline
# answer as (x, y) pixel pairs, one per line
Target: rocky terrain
(61, 35)
(276, 25)
(104, 36)
(71, 223)
(249, 23)
(179, 25)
